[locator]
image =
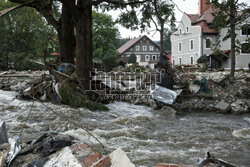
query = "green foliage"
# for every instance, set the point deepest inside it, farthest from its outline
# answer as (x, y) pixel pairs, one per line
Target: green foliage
(71, 96)
(120, 62)
(135, 67)
(118, 42)
(23, 37)
(202, 59)
(104, 35)
(166, 39)
(132, 59)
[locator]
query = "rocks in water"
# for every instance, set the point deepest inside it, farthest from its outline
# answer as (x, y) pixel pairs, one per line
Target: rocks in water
(223, 106)
(239, 107)
(120, 159)
(168, 110)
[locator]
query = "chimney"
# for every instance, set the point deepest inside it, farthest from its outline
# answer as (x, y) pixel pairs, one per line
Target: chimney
(203, 5)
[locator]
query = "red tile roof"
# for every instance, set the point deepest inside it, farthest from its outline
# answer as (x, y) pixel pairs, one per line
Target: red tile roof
(204, 20)
(128, 44)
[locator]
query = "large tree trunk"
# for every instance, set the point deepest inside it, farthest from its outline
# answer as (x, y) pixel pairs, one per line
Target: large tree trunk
(233, 36)
(84, 49)
(66, 37)
(161, 38)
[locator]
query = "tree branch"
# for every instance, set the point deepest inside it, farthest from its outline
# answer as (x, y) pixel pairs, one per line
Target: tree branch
(115, 2)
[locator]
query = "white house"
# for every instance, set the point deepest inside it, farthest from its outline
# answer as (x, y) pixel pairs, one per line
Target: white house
(195, 35)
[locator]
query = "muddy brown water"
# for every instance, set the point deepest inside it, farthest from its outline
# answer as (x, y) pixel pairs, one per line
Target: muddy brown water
(148, 136)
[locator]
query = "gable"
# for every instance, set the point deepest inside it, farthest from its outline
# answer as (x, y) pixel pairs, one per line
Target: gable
(133, 42)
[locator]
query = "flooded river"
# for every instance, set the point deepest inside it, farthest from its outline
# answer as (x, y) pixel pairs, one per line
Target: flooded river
(148, 136)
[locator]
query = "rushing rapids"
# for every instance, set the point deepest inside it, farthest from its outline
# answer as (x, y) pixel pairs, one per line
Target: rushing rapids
(148, 136)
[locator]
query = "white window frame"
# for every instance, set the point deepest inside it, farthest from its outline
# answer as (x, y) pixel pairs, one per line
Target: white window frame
(137, 48)
(179, 48)
(206, 42)
(191, 60)
(151, 48)
(180, 62)
(154, 58)
(147, 58)
(191, 45)
(187, 29)
(180, 31)
(144, 48)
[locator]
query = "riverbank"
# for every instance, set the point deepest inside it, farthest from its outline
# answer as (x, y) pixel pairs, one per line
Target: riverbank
(197, 91)
(148, 136)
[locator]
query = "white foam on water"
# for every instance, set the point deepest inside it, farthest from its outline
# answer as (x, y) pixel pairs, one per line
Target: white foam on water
(242, 133)
(247, 119)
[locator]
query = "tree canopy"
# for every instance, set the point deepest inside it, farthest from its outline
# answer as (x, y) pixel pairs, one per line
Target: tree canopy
(104, 33)
(24, 35)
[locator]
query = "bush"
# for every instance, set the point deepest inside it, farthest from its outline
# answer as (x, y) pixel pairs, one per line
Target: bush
(134, 68)
(202, 59)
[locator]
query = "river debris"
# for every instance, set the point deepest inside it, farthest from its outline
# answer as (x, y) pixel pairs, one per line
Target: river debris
(213, 91)
(163, 95)
(3, 133)
(53, 149)
(212, 161)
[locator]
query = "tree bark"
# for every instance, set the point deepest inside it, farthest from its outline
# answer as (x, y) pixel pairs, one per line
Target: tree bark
(161, 38)
(84, 49)
(66, 37)
(233, 36)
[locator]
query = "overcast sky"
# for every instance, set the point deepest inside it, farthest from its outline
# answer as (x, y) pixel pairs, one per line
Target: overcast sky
(188, 6)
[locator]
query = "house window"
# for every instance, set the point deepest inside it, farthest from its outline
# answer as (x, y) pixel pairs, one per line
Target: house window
(245, 29)
(147, 58)
(191, 44)
(154, 57)
(180, 31)
(191, 60)
(144, 48)
(173, 63)
(131, 49)
(245, 48)
(179, 47)
(208, 43)
(179, 60)
(187, 28)
(137, 48)
(151, 48)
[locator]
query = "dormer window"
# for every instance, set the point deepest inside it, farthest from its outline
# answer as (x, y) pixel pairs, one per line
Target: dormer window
(187, 29)
(180, 31)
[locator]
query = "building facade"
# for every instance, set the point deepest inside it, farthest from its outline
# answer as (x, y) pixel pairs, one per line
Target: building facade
(195, 35)
(146, 51)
